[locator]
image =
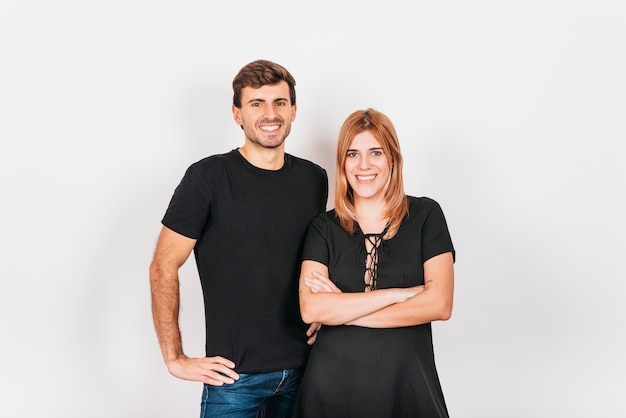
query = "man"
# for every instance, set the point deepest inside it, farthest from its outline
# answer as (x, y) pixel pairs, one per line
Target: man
(244, 215)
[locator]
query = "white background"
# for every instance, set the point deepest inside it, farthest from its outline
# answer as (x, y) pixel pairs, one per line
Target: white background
(510, 114)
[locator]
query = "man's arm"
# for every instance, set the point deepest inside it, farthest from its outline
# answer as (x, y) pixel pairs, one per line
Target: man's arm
(171, 252)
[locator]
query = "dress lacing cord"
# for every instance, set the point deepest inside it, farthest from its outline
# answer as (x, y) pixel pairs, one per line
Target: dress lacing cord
(370, 248)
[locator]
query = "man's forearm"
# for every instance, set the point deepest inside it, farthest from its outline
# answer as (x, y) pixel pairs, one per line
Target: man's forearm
(165, 309)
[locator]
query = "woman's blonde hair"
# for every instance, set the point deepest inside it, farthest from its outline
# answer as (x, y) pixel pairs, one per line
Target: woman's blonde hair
(396, 206)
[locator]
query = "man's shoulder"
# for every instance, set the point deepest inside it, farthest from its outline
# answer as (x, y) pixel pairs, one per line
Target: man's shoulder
(304, 163)
(215, 160)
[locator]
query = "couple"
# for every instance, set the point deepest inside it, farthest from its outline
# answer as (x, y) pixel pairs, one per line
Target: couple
(373, 273)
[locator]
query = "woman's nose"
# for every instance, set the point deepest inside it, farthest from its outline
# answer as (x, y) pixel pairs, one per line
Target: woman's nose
(364, 163)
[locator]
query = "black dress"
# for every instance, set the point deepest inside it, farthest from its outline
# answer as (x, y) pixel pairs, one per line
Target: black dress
(368, 372)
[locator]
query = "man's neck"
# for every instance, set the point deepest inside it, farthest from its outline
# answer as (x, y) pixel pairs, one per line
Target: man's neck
(265, 158)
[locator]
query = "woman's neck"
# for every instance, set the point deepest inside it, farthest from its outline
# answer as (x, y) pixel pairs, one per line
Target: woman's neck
(369, 215)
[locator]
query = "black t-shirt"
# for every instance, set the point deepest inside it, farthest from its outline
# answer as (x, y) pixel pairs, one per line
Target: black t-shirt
(249, 224)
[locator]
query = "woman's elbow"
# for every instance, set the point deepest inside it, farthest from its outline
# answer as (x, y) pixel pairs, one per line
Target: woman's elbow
(444, 311)
(445, 315)
(311, 314)
(306, 318)
(307, 314)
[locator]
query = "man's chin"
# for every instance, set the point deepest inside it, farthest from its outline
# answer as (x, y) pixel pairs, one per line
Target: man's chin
(271, 144)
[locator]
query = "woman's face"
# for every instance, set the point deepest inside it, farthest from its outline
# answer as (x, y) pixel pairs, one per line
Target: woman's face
(367, 167)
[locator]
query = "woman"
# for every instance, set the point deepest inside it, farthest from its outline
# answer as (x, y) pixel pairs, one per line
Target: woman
(377, 270)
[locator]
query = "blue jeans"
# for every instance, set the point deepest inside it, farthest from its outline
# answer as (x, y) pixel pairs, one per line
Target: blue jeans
(255, 395)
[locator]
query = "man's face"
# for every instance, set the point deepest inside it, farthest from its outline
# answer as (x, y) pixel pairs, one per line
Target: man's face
(266, 114)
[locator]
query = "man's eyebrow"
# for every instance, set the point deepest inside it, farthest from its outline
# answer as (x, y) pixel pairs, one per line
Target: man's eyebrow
(279, 99)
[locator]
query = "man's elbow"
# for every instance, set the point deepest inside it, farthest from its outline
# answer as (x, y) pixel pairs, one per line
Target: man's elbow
(154, 274)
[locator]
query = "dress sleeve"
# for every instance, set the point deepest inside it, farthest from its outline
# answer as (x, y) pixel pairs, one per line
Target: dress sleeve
(316, 241)
(435, 235)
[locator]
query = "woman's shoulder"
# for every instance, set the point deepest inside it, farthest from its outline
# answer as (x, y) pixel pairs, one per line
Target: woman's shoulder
(328, 217)
(326, 221)
(422, 202)
(423, 208)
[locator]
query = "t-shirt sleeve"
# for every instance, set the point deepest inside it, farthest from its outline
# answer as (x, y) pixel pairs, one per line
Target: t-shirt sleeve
(315, 241)
(188, 211)
(435, 235)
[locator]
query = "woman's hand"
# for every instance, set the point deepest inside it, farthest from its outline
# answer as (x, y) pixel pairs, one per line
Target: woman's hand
(409, 292)
(319, 283)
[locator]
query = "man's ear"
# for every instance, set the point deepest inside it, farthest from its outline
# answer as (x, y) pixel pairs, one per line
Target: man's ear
(237, 115)
(294, 110)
